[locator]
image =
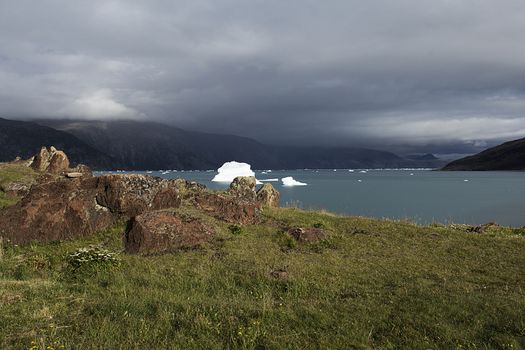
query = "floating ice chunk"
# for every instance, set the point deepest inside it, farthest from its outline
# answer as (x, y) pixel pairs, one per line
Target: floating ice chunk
(230, 170)
(149, 171)
(465, 180)
(350, 170)
(290, 181)
(268, 180)
(411, 174)
(359, 180)
(363, 171)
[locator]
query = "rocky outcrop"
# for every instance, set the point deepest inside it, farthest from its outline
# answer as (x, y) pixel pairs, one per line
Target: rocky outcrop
(50, 161)
(63, 203)
(268, 196)
(67, 208)
(166, 231)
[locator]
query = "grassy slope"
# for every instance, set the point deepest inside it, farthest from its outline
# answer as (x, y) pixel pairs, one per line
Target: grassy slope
(13, 172)
(373, 284)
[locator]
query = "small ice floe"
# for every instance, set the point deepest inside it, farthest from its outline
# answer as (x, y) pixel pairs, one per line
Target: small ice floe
(290, 181)
(165, 172)
(350, 170)
(149, 172)
(465, 180)
(363, 171)
(359, 180)
(335, 169)
(411, 174)
(269, 180)
(230, 170)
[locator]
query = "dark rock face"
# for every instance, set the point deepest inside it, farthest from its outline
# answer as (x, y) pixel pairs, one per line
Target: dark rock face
(307, 234)
(165, 231)
(268, 196)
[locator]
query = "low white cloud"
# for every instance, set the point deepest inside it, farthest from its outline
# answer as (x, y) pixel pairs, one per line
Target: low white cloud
(99, 104)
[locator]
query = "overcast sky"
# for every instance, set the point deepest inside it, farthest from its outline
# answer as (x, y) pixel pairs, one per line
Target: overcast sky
(446, 76)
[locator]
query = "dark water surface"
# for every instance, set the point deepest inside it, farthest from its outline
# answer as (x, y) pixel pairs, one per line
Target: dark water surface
(419, 195)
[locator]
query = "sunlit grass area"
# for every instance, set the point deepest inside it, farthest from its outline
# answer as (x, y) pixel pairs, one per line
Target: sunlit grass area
(370, 284)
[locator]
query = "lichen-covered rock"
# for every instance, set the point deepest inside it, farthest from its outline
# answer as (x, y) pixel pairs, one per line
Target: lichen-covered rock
(16, 189)
(81, 169)
(165, 231)
(307, 234)
(58, 209)
(51, 161)
(243, 187)
(228, 208)
(129, 194)
(55, 210)
(268, 196)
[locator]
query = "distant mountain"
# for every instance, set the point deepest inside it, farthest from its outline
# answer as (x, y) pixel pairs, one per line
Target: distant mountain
(139, 145)
(507, 156)
(148, 145)
(427, 156)
(24, 139)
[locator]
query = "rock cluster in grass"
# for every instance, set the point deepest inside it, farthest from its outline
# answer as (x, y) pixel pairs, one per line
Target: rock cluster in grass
(66, 207)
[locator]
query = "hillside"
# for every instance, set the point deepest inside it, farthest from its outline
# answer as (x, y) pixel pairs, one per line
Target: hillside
(507, 156)
(24, 139)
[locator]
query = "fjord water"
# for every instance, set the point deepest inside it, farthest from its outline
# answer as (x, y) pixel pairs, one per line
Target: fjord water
(418, 195)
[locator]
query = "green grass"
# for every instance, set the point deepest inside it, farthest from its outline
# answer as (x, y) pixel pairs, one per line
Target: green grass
(10, 172)
(371, 284)
(5, 200)
(13, 172)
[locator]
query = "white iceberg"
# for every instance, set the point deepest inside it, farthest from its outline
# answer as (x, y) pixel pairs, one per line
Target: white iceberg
(268, 180)
(290, 181)
(230, 170)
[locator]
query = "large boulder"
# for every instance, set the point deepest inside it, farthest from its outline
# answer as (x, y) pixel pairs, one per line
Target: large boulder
(50, 161)
(268, 196)
(55, 210)
(166, 231)
(227, 208)
(63, 208)
(131, 194)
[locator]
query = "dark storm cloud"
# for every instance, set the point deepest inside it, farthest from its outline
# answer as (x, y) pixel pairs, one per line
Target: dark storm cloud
(407, 74)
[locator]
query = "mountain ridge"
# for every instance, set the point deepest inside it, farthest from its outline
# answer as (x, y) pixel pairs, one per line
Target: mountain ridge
(142, 145)
(506, 156)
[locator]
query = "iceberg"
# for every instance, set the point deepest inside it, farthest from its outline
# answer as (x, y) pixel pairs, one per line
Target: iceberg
(230, 170)
(268, 180)
(290, 181)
